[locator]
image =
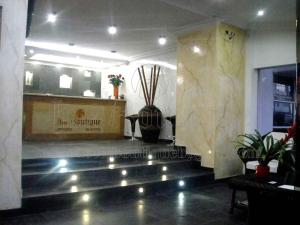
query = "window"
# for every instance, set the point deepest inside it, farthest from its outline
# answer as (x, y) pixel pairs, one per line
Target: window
(65, 81)
(276, 98)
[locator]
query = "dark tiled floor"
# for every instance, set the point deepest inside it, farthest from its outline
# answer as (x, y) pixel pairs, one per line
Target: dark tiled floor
(208, 205)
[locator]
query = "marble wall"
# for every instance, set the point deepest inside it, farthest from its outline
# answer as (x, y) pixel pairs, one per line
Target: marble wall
(14, 14)
(210, 95)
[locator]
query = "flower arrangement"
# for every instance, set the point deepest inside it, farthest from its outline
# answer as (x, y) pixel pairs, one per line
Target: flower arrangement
(266, 147)
(116, 80)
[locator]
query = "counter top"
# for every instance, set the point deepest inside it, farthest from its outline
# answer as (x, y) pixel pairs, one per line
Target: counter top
(72, 97)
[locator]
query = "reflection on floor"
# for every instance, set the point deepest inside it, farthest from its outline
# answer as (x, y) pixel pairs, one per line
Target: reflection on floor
(32, 150)
(207, 205)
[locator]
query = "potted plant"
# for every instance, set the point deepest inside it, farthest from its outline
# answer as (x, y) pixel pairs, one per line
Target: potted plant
(116, 81)
(266, 148)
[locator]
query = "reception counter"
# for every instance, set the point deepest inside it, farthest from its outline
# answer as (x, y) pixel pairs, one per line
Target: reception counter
(52, 117)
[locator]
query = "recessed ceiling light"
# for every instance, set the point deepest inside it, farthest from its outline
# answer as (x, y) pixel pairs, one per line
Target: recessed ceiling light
(261, 12)
(51, 18)
(31, 51)
(112, 30)
(162, 40)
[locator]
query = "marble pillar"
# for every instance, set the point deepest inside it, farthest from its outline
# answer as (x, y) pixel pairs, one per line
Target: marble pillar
(210, 95)
(13, 26)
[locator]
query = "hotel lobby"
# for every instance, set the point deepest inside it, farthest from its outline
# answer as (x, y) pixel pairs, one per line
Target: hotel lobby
(149, 112)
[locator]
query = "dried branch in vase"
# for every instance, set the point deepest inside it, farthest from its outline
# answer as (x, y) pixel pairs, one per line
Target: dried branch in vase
(149, 93)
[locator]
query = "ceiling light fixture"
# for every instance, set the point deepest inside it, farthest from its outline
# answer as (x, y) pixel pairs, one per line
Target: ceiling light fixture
(76, 50)
(261, 12)
(162, 40)
(112, 30)
(70, 61)
(51, 18)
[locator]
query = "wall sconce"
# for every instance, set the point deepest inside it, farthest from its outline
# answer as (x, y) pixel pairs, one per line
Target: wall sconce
(87, 73)
(28, 78)
(65, 81)
(88, 93)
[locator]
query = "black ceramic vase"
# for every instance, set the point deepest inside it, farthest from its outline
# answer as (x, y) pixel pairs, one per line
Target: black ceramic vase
(150, 123)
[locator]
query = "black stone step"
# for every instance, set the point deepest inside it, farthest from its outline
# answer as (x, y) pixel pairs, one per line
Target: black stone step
(68, 196)
(95, 161)
(51, 177)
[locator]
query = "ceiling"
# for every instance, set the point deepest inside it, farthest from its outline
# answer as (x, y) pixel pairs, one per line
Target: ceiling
(141, 22)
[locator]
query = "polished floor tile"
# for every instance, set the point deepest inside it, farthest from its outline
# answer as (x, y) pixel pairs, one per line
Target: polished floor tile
(207, 205)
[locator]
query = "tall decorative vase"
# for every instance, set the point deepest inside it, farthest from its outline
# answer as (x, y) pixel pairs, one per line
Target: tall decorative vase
(116, 91)
(150, 123)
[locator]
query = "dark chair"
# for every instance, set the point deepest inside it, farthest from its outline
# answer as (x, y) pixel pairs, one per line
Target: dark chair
(172, 119)
(245, 155)
(132, 118)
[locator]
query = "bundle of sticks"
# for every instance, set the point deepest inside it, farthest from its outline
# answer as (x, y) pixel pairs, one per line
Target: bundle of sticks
(149, 94)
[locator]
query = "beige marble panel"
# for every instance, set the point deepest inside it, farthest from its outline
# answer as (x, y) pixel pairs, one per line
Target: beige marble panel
(195, 98)
(210, 95)
(230, 102)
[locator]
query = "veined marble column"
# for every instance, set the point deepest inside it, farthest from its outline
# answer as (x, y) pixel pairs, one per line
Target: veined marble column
(13, 26)
(210, 95)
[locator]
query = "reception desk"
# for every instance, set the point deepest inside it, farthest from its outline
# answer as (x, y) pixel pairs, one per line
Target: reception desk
(52, 117)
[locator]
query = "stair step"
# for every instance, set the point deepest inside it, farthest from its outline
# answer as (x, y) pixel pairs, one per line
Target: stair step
(80, 162)
(99, 185)
(65, 197)
(87, 175)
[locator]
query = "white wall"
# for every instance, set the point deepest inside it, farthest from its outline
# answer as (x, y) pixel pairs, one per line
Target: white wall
(165, 98)
(265, 48)
(12, 39)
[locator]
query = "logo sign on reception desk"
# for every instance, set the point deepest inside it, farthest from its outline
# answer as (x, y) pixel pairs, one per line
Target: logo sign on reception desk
(74, 119)
(52, 117)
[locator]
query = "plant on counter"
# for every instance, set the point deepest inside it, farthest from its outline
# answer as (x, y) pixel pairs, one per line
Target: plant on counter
(267, 148)
(116, 80)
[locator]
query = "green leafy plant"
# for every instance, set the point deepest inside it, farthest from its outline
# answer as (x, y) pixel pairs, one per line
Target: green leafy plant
(116, 80)
(265, 147)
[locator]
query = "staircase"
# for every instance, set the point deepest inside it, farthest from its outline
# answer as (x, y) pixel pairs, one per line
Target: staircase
(80, 181)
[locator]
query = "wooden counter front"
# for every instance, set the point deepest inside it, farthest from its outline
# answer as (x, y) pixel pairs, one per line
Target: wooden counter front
(50, 117)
